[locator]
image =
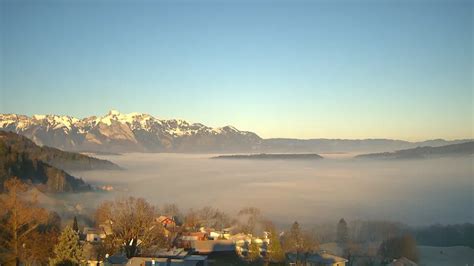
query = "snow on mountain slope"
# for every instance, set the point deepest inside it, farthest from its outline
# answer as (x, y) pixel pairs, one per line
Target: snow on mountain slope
(119, 132)
(138, 132)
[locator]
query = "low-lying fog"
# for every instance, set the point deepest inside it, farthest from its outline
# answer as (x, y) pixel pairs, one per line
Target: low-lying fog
(416, 192)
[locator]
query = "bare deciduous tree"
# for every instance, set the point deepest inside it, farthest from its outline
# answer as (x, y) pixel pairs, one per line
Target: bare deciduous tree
(191, 220)
(133, 223)
(249, 218)
(21, 217)
(171, 210)
(214, 218)
(207, 217)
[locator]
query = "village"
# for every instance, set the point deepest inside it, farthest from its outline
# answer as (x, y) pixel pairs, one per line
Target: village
(202, 247)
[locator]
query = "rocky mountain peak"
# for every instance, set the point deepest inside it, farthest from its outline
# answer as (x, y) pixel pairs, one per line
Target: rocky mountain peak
(124, 132)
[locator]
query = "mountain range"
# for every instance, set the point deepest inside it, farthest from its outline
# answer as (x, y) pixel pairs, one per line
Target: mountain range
(139, 132)
(134, 132)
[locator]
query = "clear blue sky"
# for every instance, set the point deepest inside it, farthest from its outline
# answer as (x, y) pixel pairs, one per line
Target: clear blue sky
(306, 69)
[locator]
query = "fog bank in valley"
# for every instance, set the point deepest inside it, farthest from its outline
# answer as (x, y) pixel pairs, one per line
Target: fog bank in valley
(416, 192)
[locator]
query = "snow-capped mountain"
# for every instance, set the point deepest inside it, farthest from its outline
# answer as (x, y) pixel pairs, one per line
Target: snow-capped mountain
(137, 132)
(117, 132)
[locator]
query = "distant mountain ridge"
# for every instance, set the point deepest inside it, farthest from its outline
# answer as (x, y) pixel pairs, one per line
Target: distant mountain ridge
(460, 149)
(285, 145)
(138, 132)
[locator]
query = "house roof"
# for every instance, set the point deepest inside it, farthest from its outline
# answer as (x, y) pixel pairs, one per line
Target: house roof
(171, 253)
(117, 259)
(326, 257)
(89, 230)
(106, 228)
(163, 218)
(196, 258)
(140, 261)
(402, 262)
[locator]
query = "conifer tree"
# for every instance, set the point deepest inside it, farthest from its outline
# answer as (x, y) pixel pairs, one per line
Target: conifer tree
(295, 238)
(275, 251)
(75, 226)
(342, 232)
(68, 251)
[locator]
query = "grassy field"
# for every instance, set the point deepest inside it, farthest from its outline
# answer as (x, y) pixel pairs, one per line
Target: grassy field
(446, 256)
(429, 256)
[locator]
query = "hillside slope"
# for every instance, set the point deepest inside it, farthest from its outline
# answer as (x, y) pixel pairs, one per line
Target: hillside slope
(60, 159)
(44, 167)
(36, 172)
(461, 149)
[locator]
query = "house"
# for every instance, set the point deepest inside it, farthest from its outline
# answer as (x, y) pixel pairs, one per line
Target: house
(169, 257)
(211, 246)
(214, 234)
(195, 236)
(402, 262)
(192, 260)
(115, 260)
(93, 235)
(317, 259)
(186, 239)
(167, 222)
(243, 241)
(106, 227)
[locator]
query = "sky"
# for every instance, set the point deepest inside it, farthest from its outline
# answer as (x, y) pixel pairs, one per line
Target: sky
(300, 69)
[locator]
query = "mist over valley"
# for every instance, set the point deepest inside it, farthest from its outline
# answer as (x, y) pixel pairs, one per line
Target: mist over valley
(416, 192)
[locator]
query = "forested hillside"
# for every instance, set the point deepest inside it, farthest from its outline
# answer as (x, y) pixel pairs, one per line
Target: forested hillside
(52, 156)
(20, 157)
